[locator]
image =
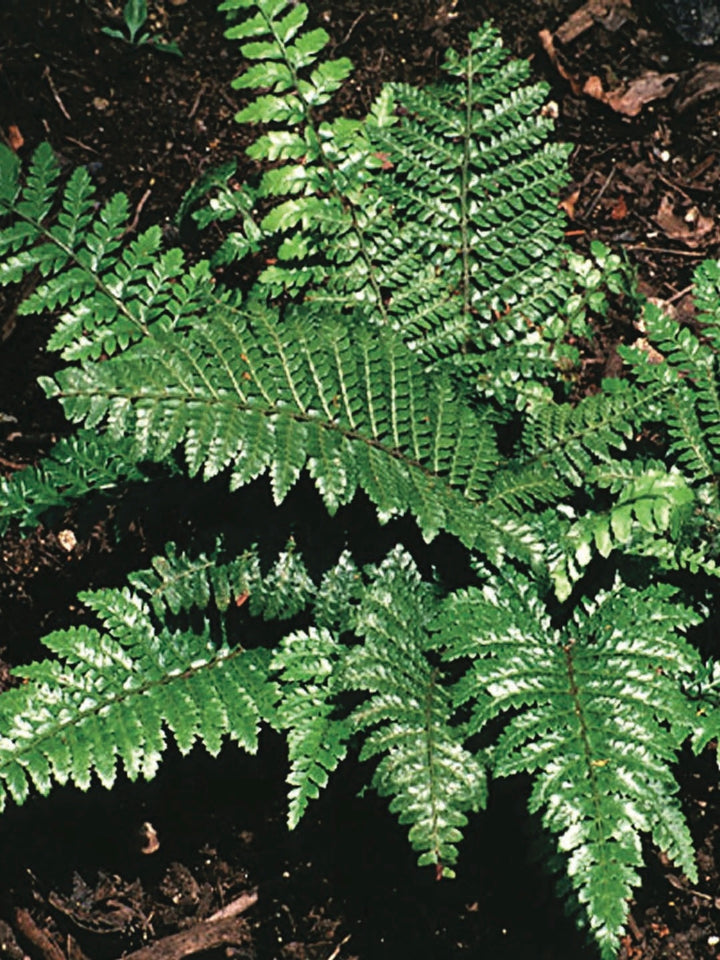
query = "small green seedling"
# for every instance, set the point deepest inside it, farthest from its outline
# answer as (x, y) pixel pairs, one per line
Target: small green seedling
(135, 15)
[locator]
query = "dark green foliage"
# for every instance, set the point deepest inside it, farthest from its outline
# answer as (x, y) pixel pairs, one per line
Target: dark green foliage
(110, 696)
(433, 779)
(415, 338)
(111, 294)
(85, 463)
(596, 711)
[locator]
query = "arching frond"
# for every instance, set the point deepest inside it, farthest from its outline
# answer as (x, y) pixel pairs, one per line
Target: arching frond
(595, 712)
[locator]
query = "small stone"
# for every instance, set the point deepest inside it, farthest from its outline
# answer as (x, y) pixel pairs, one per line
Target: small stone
(67, 540)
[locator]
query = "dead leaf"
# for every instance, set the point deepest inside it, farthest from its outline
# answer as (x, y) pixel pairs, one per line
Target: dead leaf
(568, 204)
(689, 229)
(630, 98)
(642, 343)
(650, 86)
(593, 88)
(15, 138)
(612, 14)
(620, 210)
(703, 81)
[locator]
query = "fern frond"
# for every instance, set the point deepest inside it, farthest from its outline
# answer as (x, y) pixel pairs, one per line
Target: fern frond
(111, 695)
(253, 393)
(113, 692)
(473, 178)
(651, 506)
(572, 439)
(75, 467)
(706, 295)
(306, 664)
(407, 716)
(595, 711)
(683, 374)
(111, 293)
(339, 592)
(178, 582)
(312, 176)
(440, 222)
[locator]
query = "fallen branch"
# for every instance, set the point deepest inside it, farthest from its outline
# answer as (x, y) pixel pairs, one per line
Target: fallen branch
(31, 932)
(207, 935)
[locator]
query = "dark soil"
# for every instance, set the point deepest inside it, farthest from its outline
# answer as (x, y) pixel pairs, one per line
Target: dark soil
(79, 875)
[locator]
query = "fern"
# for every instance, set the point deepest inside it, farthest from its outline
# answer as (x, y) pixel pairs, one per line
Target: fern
(407, 714)
(252, 393)
(458, 239)
(77, 466)
(111, 695)
(112, 294)
(595, 711)
(414, 340)
(306, 664)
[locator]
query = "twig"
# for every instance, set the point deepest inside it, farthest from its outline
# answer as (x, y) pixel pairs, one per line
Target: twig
(85, 146)
(675, 253)
(196, 101)
(676, 882)
(223, 96)
(56, 95)
(355, 22)
(203, 936)
(601, 191)
(132, 226)
(680, 293)
(674, 186)
(27, 928)
(336, 952)
(12, 464)
(635, 929)
(238, 905)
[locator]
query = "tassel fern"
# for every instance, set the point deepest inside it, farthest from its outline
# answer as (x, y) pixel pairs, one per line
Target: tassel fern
(77, 466)
(414, 338)
(595, 711)
(111, 696)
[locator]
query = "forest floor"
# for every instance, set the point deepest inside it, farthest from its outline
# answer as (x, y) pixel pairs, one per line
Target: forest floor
(79, 873)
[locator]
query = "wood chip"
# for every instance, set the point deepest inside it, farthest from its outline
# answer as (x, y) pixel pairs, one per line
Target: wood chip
(630, 98)
(15, 138)
(568, 204)
(612, 14)
(36, 937)
(546, 39)
(238, 905)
